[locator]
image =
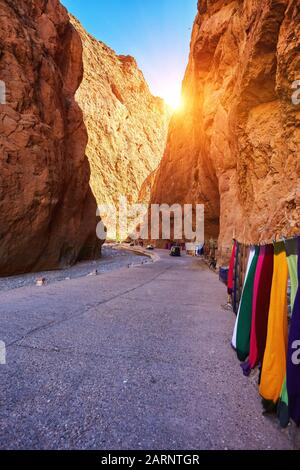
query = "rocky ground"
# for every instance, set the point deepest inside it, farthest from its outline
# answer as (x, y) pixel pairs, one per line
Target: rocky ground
(112, 258)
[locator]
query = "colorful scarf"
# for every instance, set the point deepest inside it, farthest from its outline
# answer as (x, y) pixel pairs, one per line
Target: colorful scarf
(293, 357)
(291, 247)
(230, 280)
(236, 277)
(261, 305)
(274, 362)
(245, 312)
(234, 336)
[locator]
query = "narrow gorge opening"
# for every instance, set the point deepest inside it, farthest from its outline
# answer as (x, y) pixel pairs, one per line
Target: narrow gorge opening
(126, 195)
(231, 146)
(127, 125)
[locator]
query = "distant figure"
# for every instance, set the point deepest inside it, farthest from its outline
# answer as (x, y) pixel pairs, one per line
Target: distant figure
(213, 264)
(200, 250)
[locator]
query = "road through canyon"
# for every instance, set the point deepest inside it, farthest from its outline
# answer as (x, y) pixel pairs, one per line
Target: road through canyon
(137, 358)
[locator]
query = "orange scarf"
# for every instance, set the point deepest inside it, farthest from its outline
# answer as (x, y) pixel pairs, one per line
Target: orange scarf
(274, 362)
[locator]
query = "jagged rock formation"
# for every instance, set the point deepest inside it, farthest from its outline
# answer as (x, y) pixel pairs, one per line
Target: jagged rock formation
(47, 210)
(146, 189)
(236, 144)
(127, 126)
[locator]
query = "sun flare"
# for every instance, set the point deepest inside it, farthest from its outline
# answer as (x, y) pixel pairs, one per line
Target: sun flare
(175, 102)
(173, 97)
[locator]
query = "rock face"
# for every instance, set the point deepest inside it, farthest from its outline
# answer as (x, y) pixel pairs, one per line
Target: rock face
(127, 126)
(235, 146)
(146, 189)
(47, 210)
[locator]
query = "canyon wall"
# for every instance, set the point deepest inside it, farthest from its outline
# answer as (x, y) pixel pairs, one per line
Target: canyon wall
(47, 210)
(127, 126)
(235, 145)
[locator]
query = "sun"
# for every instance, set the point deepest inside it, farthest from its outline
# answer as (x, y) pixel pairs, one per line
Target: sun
(175, 102)
(173, 97)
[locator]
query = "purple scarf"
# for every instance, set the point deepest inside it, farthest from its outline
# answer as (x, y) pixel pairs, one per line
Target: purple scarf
(293, 358)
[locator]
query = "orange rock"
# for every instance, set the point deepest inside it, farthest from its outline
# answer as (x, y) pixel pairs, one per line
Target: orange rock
(235, 145)
(47, 210)
(127, 126)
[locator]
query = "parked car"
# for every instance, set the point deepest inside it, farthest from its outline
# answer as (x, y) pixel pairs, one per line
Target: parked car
(175, 251)
(150, 247)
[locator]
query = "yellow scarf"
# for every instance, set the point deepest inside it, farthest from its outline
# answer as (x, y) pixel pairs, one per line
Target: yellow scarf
(274, 362)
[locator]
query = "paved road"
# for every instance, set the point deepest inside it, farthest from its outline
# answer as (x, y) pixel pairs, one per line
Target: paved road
(112, 258)
(138, 358)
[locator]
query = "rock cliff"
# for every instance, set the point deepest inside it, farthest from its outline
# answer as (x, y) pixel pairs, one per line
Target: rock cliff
(47, 210)
(235, 145)
(127, 126)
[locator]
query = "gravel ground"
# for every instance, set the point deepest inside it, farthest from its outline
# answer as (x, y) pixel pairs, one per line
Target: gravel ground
(112, 258)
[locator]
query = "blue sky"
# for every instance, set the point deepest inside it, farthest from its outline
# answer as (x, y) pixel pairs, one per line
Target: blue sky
(156, 32)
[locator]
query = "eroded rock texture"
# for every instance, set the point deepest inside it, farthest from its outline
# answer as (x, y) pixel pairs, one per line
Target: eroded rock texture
(47, 210)
(127, 126)
(236, 144)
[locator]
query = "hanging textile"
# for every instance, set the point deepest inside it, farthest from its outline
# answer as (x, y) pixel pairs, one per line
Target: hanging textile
(236, 275)
(274, 362)
(291, 247)
(240, 265)
(245, 312)
(234, 336)
(293, 359)
(231, 271)
(244, 262)
(261, 304)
